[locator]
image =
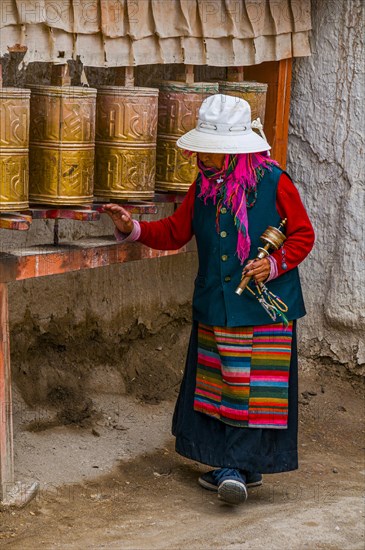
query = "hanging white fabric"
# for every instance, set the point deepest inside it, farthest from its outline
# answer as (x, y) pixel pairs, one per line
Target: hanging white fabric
(135, 32)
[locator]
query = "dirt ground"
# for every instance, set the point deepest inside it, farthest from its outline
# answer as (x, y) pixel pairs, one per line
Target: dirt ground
(117, 483)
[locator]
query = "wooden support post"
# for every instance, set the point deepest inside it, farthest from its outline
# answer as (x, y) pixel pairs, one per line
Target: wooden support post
(235, 74)
(283, 110)
(56, 232)
(277, 74)
(129, 77)
(189, 74)
(124, 76)
(60, 75)
(11, 494)
(6, 419)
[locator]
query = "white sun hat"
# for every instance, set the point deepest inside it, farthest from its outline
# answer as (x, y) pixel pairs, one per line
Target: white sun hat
(224, 126)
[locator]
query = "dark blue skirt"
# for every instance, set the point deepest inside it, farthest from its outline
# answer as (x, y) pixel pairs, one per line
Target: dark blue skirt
(210, 441)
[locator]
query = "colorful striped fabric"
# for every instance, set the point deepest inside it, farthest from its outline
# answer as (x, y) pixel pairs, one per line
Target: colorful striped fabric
(243, 374)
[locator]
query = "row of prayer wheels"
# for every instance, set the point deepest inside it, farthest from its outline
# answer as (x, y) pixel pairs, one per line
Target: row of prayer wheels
(63, 145)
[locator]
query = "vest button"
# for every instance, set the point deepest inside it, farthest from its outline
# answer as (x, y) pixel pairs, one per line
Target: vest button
(223, 234)
(227, 279)
(224, 258)
(224, 210)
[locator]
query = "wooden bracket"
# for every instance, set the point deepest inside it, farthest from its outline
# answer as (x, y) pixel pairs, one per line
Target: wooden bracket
(15, 221)
(60, 75)
(235, 74)
(124, 76)
(189, 74)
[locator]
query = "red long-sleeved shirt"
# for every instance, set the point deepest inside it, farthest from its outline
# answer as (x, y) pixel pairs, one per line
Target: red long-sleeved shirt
(175, 231)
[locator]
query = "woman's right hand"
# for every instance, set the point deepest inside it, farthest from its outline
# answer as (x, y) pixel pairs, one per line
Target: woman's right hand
(121, 217)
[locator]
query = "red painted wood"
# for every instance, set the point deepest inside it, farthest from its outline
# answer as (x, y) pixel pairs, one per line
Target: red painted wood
(78, 214)
(283, 109)
(40, 261)
(6, 420)
(88, 214)
(15, 222)
(169, 197)
(133, 208)
(277, 74)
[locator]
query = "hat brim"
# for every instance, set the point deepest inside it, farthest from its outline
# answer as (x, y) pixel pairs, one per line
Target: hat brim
(203, 142)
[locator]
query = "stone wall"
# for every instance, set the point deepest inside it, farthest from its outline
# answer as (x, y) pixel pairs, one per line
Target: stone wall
(325, 158)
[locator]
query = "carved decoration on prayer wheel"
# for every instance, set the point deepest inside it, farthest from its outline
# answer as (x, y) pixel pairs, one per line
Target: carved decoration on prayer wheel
(62, 143)
(125, 154)
(14, 143)
(178, 111)
(253, 92)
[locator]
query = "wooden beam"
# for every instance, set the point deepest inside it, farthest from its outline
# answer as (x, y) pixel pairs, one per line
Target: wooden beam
(77, 214)
(6, 418)
(134, 208)
(44, 260)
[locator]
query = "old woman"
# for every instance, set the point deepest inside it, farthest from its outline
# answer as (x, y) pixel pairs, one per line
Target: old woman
(237, 406)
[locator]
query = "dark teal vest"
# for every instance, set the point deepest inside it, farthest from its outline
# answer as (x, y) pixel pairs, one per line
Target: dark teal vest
(215, 301)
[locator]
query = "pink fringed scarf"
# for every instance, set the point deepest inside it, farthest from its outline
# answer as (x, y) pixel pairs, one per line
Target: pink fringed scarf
(235, 187)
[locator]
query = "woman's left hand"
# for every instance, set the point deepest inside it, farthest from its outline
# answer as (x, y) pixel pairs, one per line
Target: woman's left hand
(258, 269)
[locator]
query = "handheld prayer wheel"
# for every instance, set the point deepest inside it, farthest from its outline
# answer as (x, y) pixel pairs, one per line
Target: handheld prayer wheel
(62, 143)
(253, 92)
(14, 143)
(272, 237)
(178, 110)
(125, 152)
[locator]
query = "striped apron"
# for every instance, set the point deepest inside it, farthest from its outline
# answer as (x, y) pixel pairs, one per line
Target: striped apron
(243, 374)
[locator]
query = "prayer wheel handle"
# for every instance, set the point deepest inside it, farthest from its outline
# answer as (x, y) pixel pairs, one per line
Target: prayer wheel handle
(273, 237)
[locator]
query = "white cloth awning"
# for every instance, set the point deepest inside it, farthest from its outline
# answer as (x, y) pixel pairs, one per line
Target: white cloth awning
(111, 33)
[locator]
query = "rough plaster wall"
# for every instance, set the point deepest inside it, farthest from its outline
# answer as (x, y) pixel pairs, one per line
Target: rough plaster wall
(325, 157)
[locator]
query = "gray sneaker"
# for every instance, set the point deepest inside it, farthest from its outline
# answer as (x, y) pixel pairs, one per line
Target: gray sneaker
(228, 482)
(209, 481)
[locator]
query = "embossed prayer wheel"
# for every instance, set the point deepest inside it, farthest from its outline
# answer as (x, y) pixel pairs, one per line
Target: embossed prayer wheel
(14, 143)
(178, 110)
(62, 144)
(253, 92)
(125, 152)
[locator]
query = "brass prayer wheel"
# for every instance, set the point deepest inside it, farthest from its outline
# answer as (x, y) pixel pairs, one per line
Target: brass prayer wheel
(253, 92)
(125, 151)
(62, 143)
(178, 110)
(14, 143)
(272, 237)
